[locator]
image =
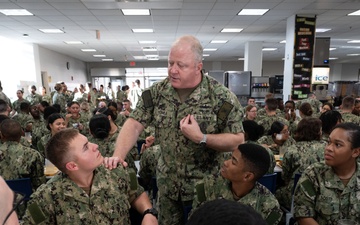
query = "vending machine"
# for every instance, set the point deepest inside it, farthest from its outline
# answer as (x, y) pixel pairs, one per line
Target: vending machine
(239, 82)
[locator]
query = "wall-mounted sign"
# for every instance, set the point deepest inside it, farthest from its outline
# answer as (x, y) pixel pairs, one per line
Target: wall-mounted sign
(320, 75)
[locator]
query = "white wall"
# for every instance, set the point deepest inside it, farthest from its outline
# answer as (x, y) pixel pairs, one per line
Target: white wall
(54, 64)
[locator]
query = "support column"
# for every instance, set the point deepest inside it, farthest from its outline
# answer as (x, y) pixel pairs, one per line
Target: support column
(289, 59)
(253, 57)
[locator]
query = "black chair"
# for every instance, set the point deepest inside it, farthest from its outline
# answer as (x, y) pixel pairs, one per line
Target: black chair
(21, 185)
(269, 181)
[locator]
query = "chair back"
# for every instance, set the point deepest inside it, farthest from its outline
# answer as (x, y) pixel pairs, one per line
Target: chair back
(296, 179)
(21, 185)
(269, 181)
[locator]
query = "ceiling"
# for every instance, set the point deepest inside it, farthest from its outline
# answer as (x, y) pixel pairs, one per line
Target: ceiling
(80, 19)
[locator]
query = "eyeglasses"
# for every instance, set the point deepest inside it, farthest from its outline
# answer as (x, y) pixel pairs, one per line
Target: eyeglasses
(19, 199)
(253, 111)
(285, 132)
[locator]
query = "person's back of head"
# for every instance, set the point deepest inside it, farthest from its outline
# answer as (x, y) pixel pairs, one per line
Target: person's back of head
(58, 150)
(348, 103)
(308, 129)
(4, 107)
(329, 119)
(99, 126)
(10, 130)
(25, 107)
(253, 131)
(271, 104)
(48, 111)
(44, 104)
(276, 128)
(306, 109)
(225, 212)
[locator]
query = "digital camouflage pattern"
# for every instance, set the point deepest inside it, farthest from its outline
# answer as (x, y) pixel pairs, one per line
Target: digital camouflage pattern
(61, 201)
(23, 119)
(268, 140)
(259, 198)
(34, 98)
(42, 143)
(181, 161)
(267, 121)
(16, 104)
(60, 99)
(320, 194)
(18, 161)
(348, 117)
(38, 131)
(295, 160)
(83, 120)
(148, 162)
(315, 104)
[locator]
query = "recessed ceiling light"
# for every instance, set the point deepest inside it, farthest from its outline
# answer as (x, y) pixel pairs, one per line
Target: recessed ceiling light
(99, 56)
(231, 30)
(149, 49)
(107, 60)
(354, 41)
(321, 30)
(143, 30)
(353, 54)
(136, 12)
(147, 42)
(74, 42)
(283, 42)
(16, 12)
(88, 50)
(269, 49)
(51, 31)
(334, 58)
(219, 41)
(206, 55)
(332, 49)
(356, 13)
(252, 12)
(139, 57)
(210, 49)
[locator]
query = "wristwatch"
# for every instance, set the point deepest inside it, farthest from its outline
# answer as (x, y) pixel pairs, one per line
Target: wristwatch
(151, 211)
(203, 141)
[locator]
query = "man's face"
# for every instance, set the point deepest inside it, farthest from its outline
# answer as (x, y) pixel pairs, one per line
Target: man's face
(251, 101)
(183, 70)
(33, 91)
(126, 106)
(234, 168)
(86, 154)
(35, 112)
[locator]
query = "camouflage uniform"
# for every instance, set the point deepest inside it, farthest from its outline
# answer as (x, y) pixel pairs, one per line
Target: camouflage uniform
(259, 198)
(47, 98)
(38, 131)
(60, 99)
(16, 104)
(261, 113)
(268, 140)
(267, 121)
(18, 161)
(61, 201)
(42, 143)
(34, 98)
(23, 119)
(4, 97)
(148, 162)
(296, 159)
(83, 120)
(82, 98)
(181, 161)
(320, 194)
(121, 96)
(120, 120)
(348, 117)
(315, 104)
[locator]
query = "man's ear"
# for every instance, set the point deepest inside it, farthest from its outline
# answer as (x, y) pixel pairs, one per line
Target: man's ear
(356, 152)
(249, 176)
(71, 166)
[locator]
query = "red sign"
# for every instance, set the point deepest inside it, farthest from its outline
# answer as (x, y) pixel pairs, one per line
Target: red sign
(132, 63)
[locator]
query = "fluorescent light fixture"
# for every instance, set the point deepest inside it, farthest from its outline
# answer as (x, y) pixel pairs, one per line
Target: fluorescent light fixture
(88, 50)
(334, 58)
(143, 30)
(269, 49)
(153, 58)
(353, 54)
(16, 12)
(241, 58)
(139, 57)
(147, 42)
(74, 42)
(136, 12)
(107, 60)
(231, 30)
(149, 49)
(206, 55)
(322, 30)
(356, 13)
(99, 56)
(332, 49)
(218, 41)
(209, 49)
(354, 41)
(51, 31)
(283, 42)
(149, 56)
(252, 12)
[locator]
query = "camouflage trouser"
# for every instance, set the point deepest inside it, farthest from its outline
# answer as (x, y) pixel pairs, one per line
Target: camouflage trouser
(172, 211)
(283, 195)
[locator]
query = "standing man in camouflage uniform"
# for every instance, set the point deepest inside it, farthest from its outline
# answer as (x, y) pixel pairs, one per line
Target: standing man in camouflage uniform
(16, 160)
(85, 192)
(238, 182)
(196, 119)
(34, 98)
(347, 106)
